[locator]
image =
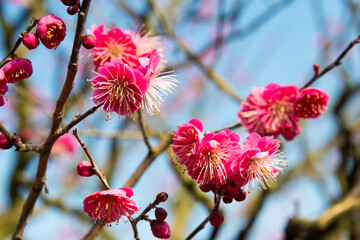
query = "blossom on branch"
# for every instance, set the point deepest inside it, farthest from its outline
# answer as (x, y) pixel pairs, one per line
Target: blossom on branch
(51, 31)
(110, 205)
(18, 70)
(3, 87)
(276, 109)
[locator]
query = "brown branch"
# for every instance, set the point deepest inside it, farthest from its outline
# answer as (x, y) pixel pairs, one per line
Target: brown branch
(143, 131)
(10, 54)
(217, 200)
(78, 118)
(334, 64)
(151, 156)
(93, 164)
(16, 141)
(56, 123)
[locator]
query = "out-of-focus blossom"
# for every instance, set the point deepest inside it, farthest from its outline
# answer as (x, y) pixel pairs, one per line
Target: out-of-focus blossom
(3, 87)
(17, 70)
(110, 205)
(119, 88)
(51, 31)
(4, 143)
(160, 229)
(31, 41)
(65, 144)
(311, 103)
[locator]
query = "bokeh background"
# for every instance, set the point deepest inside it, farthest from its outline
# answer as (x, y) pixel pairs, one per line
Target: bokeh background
(238, 44)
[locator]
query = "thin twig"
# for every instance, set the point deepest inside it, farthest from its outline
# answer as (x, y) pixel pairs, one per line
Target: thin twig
(236, 125)
(56, 124)
(10, 54)
(93, 165)
(143, 131)
(16, 141)
(217, 200)
(334, 64)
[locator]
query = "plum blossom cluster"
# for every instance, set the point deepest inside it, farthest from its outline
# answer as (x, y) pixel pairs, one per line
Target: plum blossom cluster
(129, 73)
(276, 109)
(217, 160)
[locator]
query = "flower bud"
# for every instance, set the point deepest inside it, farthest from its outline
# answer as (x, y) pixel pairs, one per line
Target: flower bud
(4, 143)
(17, 70)
(160, 214)
(230, 189)
(31, 41)
(241, 196)
(71, 10)
(88, 41)
(84, 169)
(205, 187)
(51, 31)
(160, 229)
(3, 87)
(227, 200)
(69, 2)
(316, 68)
(216, 218)
(162, 197)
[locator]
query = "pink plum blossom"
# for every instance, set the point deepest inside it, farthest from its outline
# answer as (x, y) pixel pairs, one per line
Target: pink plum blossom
(258, 161)
(160, 84)
(17, 70)
(110, 205)
(215, 150)
(311, 103)
(51, 31)
(65, 143)
(187, 140)
(113, 43)
(3, 87)
(119, 88)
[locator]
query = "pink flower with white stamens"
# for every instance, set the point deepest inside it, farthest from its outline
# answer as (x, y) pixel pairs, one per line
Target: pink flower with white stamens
(215, 150)
(187, 140)
(113, 44)
(269, 110)
(258, 161)
(110, 205)
(119, 88)
(160, 84)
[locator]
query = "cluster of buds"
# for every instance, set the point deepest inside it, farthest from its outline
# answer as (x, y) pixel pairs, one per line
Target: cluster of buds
(73, 6)
(229, 190)
(159, 227)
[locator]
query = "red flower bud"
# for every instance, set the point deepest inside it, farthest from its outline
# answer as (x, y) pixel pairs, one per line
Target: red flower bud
(31, 41)
(51, 31)
(4, 143)
(241, 196)
(88, 41)
(17, 70)
(205, 187)
(162, 197)
(160, 214)
(216, 218)
(230, 189)
(73, 9)
(227, 200)
(160, 229)
(69, 2)
(316, 68)
(3, 87)
(84, 169)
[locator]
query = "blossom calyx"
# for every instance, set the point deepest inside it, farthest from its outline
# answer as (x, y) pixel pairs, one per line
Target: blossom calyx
(31, 41)
(51, 31)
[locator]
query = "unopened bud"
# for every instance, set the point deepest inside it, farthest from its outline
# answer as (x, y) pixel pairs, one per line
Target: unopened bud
(84, 169)
(4, 143)
(216, 218)
(316, 68)
(88, 41)
(69, 2)
(31, 41)
(160, 229)
(227, 200)
(241, 196)
(162, 197)
(160, 214)
(73, 9)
